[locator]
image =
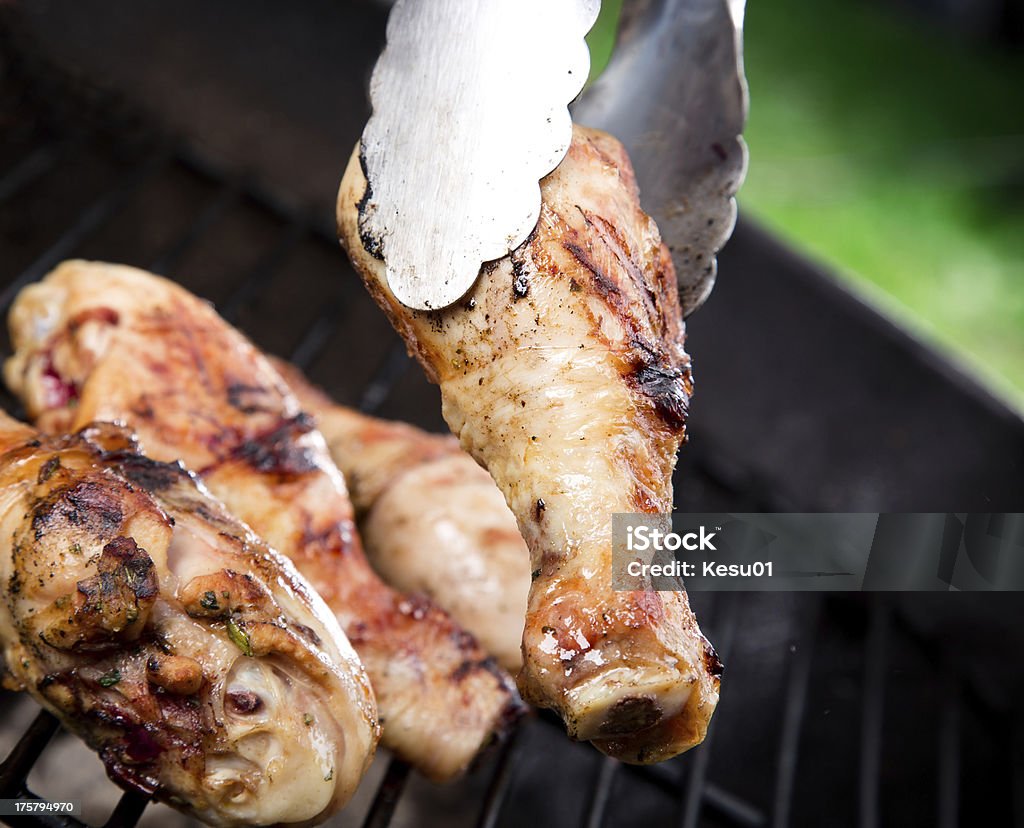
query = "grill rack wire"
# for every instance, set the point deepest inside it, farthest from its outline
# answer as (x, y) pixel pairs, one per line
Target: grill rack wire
(53, 141)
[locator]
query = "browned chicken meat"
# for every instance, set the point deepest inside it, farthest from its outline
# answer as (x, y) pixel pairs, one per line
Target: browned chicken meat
(97, 341)
(194, 659)
(432, 520)
(563, 372)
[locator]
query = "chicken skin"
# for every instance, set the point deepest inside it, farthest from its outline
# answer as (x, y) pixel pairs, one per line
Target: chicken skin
(432, 520)
(96, 341)
(193, 658)
(563, 372)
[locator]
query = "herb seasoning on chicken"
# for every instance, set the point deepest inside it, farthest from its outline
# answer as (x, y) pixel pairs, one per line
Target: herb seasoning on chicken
(159, 629)
(138, 348)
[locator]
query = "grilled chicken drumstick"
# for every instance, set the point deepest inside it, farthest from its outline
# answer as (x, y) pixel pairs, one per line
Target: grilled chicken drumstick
(432, 520)
(96, 341)
(194, 659)
(562, 372)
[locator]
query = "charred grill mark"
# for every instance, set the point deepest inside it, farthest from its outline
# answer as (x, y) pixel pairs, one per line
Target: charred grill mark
(336, 538)
(651, 373)
(248, 399)
(151, 475)
(466, 668)
(279, 451)
(87, 505)
(464, 641)
(663, 386)
(469, 667)
(605, 286)
(613, 240)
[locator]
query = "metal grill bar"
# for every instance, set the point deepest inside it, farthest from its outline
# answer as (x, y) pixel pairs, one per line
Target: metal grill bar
(601, 793)
(223, 200)
(388, 794)
(664, 778)
(1017, 770)
(793, 717)
(316, 338)
(260, 275)
(33, 166)
(17, 765)
(732, 807)
(949, 752)
(88, 222)
(874, 705)
(324, 229)
(128, 810)
(694, 792)
(699, 791)
(394, 365)
(497, 791)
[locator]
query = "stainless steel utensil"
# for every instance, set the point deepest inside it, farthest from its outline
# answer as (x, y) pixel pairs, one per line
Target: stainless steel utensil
(675, 95)
(470, 111)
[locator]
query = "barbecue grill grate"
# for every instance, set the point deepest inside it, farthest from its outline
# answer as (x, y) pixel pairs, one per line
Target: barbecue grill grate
(79, 175)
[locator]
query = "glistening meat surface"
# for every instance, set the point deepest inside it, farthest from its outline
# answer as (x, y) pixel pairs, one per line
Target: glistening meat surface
(189, 655)
(432, 520)
(563, 372)
(138, 348)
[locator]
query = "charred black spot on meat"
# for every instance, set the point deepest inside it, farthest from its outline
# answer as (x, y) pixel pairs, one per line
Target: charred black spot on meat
(712, 663)
(371, 243)
(249, 399)
(151, 475)
(538, 508)
(107, 609)
(469, 667)
(280, 451)
(87, 505)
(463, 641)
(520, 278)
(664, 387)
(123, 557)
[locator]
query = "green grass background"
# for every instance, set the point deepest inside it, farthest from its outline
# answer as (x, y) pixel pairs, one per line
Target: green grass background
(892, 152)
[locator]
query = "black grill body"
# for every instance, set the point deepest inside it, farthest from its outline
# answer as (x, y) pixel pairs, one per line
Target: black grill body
(836, 710)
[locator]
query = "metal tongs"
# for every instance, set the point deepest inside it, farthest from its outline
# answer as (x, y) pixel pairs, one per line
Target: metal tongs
(470, 110)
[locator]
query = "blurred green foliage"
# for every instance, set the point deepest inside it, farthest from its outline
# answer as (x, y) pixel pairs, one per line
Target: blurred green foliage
(895, 154)
(601, 38)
